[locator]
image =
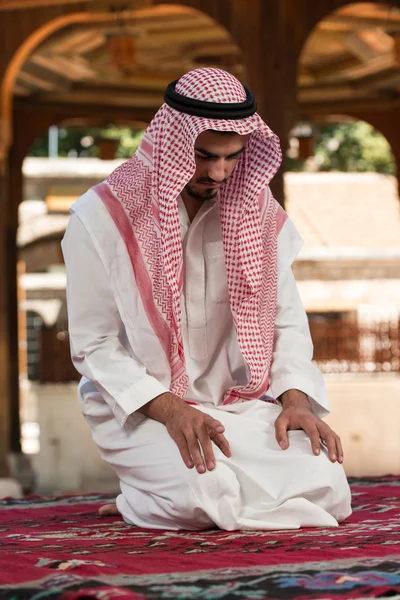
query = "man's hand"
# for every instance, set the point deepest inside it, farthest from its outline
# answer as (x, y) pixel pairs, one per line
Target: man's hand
(192, 430)
(297, 414)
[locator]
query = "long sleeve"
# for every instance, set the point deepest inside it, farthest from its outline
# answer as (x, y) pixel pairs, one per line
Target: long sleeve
(292, 366)
(95, 329)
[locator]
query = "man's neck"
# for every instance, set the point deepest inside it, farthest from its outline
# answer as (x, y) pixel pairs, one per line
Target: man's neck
(192, 205)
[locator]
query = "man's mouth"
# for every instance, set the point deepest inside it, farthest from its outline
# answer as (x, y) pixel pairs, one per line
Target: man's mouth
(210, 184)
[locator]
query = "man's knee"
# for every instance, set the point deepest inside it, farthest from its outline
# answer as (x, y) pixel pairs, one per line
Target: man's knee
(335, 495)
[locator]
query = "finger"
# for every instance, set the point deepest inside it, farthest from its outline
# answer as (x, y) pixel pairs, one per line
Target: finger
(194, 449)
(281, 427)
(335, 449)
(315, 438)
(206, 446)
(329, 438)
(182, 444)
(339, 447)
(214, 424)
(222, 443)
(330, 442)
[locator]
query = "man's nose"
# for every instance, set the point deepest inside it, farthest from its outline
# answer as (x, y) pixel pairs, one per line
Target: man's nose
(217, 171)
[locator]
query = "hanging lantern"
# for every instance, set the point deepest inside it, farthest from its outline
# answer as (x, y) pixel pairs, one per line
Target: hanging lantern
(305, 136)
(396, 47)
(306, 147)
(122, 48)
(107, 148)
(122, 40)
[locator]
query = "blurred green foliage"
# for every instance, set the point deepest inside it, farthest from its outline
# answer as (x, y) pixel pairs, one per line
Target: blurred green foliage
(349, 146)
(83, 141)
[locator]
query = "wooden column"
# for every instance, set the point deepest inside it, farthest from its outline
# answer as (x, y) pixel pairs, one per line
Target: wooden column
(271, 68)
(263, 31)
(10, 197)
(14, 199)
(4, 355)
(26, 128)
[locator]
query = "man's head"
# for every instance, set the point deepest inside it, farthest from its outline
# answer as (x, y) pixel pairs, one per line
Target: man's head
(216, 155)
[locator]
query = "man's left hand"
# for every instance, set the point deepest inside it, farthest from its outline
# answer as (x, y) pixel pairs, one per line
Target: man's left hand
(297, 414)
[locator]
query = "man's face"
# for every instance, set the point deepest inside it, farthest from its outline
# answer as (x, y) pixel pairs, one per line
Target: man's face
(216, 157)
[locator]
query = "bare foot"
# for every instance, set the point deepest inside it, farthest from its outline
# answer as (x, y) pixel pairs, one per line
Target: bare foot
(109, 510)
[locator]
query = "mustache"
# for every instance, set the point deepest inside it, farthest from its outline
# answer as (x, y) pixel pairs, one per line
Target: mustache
(208, 180)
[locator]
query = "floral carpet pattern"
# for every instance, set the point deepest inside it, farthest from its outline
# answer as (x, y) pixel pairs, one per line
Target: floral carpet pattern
(57, 547)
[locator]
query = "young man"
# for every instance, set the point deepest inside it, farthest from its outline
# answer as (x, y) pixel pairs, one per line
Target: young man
(187, 327)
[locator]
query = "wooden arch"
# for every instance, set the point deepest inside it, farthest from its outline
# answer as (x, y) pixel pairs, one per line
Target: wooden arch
(45, 31)
(271, 35)
(383, 110)
(322, 9)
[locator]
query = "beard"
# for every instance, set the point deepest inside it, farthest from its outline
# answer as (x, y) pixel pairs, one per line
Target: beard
(201, 194)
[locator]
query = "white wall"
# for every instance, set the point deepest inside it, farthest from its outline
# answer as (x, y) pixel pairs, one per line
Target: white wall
(68, 459)
(365, 413)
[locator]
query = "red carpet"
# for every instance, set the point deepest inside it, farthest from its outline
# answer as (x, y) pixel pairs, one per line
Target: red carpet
(57, 547)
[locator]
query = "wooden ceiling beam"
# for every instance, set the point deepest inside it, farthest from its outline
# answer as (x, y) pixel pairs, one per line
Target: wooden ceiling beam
(154, 24)
(348, 69)
(74, 41)
(149, 80)
(60, 112)
(330, 93)
(79, 68)
(153, 58)
(82, 113)
(359, 46)
(334, 69)
(68, 39)
(369, 44)
(18, 4)
(367, 9)
(329, 27)
(389, 23)
(349, 107)
(58, 81)
(97, 41)
(304, 78)
(171, 35)
(21, 90)
(376, 65)
(320, 40)
(191, 21)
(74, 68)
(183, 36)
(35, 82)
(222, 48)
(388, 79)
(378, 40)
(106, 97)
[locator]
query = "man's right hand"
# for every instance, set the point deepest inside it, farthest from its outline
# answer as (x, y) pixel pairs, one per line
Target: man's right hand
(192, 430)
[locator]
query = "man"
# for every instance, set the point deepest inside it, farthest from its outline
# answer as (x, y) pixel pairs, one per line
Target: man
(187, 327)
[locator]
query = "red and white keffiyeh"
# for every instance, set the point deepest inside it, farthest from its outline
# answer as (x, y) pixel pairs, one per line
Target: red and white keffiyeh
(141, 197)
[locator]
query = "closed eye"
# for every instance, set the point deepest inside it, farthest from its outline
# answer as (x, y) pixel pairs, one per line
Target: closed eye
(201, 157)
(213, 157)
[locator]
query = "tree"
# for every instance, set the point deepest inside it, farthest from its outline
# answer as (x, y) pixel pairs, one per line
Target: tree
(349, 146)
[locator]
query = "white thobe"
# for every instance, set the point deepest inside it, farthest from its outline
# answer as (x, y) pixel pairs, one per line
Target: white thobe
(261, 486)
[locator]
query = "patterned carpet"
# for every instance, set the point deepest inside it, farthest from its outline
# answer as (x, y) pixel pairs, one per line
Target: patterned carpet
(57, 547)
